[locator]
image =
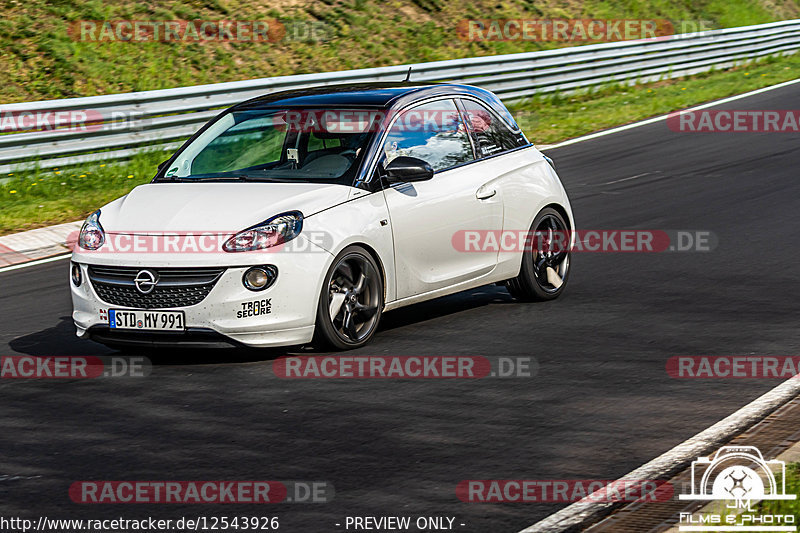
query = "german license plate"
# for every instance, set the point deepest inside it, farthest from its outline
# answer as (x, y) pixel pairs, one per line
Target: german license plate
(146, 320)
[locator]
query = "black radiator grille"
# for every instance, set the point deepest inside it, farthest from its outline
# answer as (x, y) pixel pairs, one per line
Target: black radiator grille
(175, 287)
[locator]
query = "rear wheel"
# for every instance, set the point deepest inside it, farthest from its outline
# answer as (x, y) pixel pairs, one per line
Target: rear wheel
(351, 301)
(545, 262)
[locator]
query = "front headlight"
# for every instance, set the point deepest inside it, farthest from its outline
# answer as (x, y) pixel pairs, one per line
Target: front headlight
(92, 235)
(277, 230)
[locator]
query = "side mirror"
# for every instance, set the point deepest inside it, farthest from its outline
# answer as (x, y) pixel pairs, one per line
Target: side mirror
(407, 169)
(162, 165)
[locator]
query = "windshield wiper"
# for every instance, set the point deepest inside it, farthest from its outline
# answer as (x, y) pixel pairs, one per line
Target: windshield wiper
(205, 178)
(264, 178)
(242, 177)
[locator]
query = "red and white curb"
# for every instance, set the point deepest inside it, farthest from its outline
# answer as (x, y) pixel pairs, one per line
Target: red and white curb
(36, 244)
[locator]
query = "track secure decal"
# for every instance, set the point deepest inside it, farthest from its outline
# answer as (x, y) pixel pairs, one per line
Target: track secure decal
(259, 307)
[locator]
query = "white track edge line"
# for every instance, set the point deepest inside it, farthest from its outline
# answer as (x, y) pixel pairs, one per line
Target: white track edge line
(659, 118)
(35, 262)
(586, 512)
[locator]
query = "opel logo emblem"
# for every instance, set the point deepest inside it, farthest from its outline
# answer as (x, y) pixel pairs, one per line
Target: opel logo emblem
(145, 281)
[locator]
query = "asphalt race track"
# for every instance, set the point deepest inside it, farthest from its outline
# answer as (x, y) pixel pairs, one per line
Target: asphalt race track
(601, 404)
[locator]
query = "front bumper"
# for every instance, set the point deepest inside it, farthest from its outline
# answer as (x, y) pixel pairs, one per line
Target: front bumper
(291, 302)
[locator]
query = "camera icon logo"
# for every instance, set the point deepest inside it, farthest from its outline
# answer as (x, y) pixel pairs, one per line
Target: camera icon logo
(740, 474)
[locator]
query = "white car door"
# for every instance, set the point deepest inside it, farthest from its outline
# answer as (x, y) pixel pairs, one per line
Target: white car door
(426, 215)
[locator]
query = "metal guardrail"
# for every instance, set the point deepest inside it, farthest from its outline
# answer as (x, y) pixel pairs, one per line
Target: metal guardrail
(160, 120)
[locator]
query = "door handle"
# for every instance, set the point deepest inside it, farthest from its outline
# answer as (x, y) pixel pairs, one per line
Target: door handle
(485, 194)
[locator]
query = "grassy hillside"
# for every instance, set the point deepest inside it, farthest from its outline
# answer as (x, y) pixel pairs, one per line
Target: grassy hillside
(41, 60)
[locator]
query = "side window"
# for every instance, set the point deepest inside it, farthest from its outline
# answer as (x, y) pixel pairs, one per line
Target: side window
(432, 132)
(491, 134)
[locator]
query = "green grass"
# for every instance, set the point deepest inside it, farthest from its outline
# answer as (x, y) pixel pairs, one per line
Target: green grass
(43, 197)
(785, 507)
(41, 60)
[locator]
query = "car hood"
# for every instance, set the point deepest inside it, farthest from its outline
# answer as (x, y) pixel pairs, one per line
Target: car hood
(161, 208)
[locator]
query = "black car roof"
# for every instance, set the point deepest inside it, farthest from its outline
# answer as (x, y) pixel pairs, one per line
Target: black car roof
(375, 94)
(362, 94)
(380, 95)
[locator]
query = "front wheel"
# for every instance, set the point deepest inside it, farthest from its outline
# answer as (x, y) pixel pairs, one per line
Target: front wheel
(351, 301)
(545, 263)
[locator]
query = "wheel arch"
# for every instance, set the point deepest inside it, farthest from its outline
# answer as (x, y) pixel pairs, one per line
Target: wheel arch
(561, 211)
(376, 256)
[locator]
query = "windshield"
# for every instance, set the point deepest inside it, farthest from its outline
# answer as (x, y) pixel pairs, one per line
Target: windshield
(274, 145)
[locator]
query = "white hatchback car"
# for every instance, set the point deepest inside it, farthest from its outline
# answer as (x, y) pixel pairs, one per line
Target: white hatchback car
(303, 215)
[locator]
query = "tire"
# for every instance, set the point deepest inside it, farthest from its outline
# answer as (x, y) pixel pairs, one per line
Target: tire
(345, 293)
(532, 283)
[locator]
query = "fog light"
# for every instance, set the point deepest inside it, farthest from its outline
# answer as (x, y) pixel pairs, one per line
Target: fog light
(75, 274)
(260, 278)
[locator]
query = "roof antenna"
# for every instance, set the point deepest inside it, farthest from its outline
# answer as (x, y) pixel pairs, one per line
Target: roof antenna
(408, 76)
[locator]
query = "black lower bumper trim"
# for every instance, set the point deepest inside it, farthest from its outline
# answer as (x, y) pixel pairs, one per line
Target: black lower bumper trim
(191, 338)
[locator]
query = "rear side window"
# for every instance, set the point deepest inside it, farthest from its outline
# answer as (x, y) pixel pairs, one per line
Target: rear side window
(492, 135)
